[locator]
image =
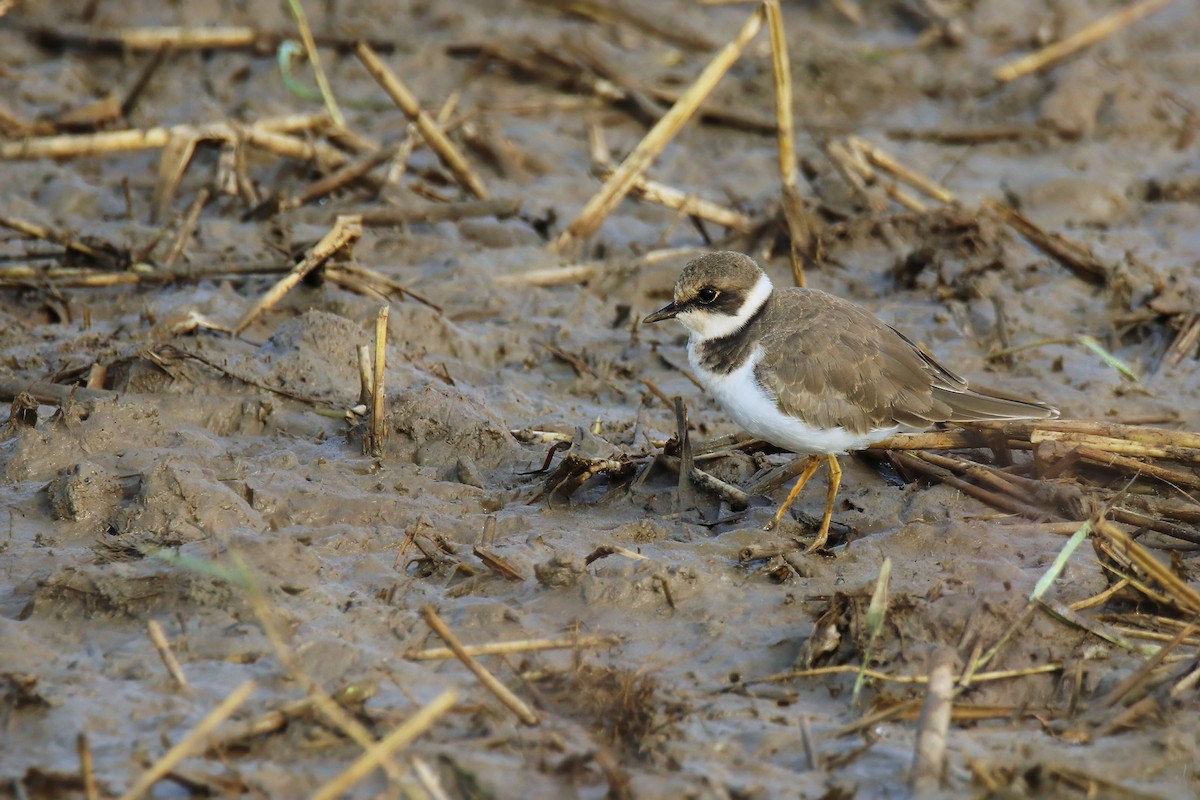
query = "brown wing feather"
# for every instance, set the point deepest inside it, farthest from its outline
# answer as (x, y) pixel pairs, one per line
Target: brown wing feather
(835, 364)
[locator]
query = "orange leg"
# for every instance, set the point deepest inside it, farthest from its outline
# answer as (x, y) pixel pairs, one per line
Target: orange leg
(835, 481)
(810, 468)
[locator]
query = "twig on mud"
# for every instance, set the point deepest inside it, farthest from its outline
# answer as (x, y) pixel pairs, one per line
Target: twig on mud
(50, 393)
(520, 646)
(804, 244)
(581, 273)
(1089, 342)
(428, 779)
(237, 733)
(970, 136)
(920, 464)
(378, 753)
(945, 440)
(933, 729)
(346, 722)
(190, 743)
(515, 704)
(103, 254)
(635, 164)
(341, 177)
(87, 767)
(673, 30)
(551, 276)
(668, 196)
(1119, 544)
(1171, 477)
(606, 550)
(373, 441)
(1147, 443)
(890, 165)
(858, 174)
(109, 142)
(406, 101)
(153, 38)
(498, 564)
(163, 646)
(731, 494)
(365, 280)
(1070, 254)
(577, 363)
(1100, 29)
(876, 675)
(1184, 343)
(1142, 674)
(684, 496)
(500, 208)
(187, 229)
(346, 230)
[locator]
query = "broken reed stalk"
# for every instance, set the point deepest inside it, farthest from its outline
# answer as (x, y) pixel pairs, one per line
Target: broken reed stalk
(684, 496)
(343, 176)
(407, 102)
(190, 743)
(794, 213)
(876, 675)
(159, 639)
(522, 646)
(890, 165)
(187, 229)
(1108, 444)
(499, 207)
(314, 58)
(689, 204)
(1174, 477)
(1142, 674)
(87, 768)
(933, 729)
(1156, 437)
(1070, 254)
(379, 753)
(374, 440)
(855, 171)
(329, 708)
(428, 779)
(514, 704)
(345, 231)
(106, 257)
(365, 380)
(108, 142)
(1086, 37)
(621, 182)
(1184, 596)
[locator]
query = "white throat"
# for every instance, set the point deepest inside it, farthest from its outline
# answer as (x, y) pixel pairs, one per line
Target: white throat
(706, 325)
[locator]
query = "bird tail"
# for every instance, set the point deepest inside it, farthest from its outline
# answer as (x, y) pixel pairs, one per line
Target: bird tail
(979, 404)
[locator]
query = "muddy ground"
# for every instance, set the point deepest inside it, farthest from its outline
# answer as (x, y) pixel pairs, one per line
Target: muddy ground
(190, 491)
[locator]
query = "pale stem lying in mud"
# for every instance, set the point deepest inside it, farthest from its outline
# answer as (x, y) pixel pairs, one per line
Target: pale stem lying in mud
(378, 754)
(345, 231)
(189, 744)
(163, 646)
(520, 646)
(515, 704)
(407, 102)
(622, 180)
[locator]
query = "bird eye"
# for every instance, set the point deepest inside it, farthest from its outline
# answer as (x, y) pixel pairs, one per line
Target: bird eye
(707, 295)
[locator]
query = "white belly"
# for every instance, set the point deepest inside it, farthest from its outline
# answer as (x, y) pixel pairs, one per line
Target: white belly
(751, 407)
